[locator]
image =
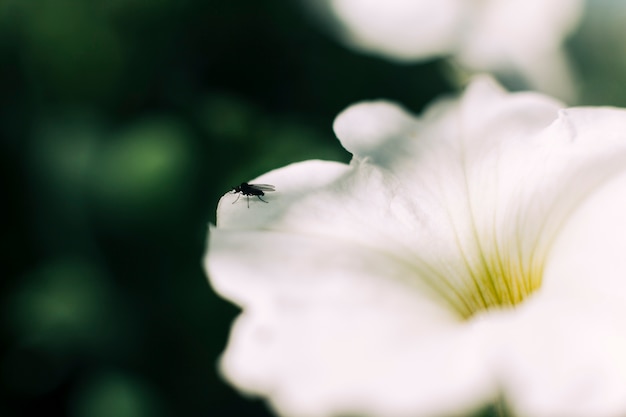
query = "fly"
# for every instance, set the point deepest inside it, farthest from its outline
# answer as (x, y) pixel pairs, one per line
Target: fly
(252, 190)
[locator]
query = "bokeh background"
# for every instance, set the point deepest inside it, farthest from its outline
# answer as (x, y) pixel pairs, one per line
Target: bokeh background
(122, 122)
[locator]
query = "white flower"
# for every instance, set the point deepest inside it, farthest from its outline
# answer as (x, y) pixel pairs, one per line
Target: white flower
(472, 255)
(514, 38)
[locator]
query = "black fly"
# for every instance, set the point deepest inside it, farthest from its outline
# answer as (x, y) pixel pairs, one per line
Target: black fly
(252, 190)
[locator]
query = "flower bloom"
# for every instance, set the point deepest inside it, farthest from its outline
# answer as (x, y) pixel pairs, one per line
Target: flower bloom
(515, 38)
(469, 256)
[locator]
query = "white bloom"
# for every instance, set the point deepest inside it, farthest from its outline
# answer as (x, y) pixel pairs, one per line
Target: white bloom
(519, 38)
(467, 256)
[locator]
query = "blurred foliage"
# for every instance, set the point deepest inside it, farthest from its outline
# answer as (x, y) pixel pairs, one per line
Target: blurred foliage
(122, 122)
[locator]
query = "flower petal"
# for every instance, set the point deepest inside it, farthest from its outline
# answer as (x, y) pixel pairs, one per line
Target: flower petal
(587, 261)
(384, 131)
(400, 29)
(329, 328)
(562, 356)
(499, 40)
(485, 35)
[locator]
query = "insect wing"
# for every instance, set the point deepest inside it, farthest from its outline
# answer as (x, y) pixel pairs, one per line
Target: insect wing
(263, 187)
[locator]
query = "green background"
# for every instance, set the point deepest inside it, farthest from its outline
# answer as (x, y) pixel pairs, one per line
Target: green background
(122, 122)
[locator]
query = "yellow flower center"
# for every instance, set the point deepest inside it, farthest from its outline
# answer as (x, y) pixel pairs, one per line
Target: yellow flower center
(492, 267)
(485, 281)
(498, 281)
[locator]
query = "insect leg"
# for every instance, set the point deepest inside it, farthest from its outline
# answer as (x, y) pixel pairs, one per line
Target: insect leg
(259, 197)
(238, 195)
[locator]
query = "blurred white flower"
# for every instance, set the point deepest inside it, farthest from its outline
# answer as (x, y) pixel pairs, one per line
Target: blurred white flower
(469, 256)
(518, 39)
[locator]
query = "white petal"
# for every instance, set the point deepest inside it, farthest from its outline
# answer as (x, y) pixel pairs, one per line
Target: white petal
(370, 129)
(562, 356)
(382, 130)
(518, 39)
(401, 29)
(587, 261)
(499, 40)
(564, 349)
(329, 328)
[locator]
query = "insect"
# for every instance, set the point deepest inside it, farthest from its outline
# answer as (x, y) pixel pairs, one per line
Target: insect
(252, 189)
